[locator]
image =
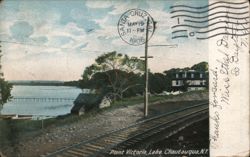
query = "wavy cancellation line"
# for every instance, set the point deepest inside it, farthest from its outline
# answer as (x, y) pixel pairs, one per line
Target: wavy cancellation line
(179, 31)
(180, 36)
(211, 30)
(218, 28)
(206, 16)
(206, 11)
(224, 33)
(203, 7)
(206, 26)
(228, 17)
(203, 38)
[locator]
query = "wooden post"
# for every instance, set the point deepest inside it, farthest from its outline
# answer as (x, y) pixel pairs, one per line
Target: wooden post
(146, 73)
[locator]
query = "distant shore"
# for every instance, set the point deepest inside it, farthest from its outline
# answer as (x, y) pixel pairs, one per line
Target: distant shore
(44, 83)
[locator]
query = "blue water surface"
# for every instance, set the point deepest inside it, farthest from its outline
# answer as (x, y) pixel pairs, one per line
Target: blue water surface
(41, 107)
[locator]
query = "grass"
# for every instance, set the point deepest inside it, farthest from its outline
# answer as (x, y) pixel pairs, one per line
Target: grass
(153, 98)
(12, 130)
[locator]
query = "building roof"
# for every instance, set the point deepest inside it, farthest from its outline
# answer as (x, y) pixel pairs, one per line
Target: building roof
(189, 75)
(190, 71)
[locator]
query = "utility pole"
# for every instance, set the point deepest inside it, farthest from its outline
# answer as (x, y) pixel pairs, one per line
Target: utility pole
(146, 72)
(133, 36)
(1, 75)
(146, 65)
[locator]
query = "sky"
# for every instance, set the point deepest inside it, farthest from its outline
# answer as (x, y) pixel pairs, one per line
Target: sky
(57, 39)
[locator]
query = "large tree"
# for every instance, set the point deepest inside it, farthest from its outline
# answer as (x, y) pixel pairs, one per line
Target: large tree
(113, 73)
(157, 83)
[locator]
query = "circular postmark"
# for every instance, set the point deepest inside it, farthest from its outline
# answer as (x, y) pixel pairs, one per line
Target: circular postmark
(132, 26)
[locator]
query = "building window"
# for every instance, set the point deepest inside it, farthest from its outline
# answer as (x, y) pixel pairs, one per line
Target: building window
(177, 82)
(201, 75)
(192, 75)
(177, 75)
(184, 75)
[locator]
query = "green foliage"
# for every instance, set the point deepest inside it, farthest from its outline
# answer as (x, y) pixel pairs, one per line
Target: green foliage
(5, 91)
(202, 67)
(157, 82)
(169, 75)
(114, 61)
(123, 76)
(71, 83)
(113, 73)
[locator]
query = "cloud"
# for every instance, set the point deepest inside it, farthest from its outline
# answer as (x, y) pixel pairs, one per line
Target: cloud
(21, 30)
(98, 4)
(88, 25)
(40, 39)
(61, 40)
(82, 46)
(66, 31)
(122, 6)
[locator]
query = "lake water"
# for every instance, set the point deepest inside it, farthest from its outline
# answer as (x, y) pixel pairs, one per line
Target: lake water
(40, 107)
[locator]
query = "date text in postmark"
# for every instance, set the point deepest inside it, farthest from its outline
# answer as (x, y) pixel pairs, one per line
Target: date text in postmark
(132, 26)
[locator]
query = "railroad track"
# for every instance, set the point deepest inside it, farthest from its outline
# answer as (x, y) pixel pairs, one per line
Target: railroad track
(124, 137)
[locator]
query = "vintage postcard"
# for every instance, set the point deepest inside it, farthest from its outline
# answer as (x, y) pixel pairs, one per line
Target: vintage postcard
(124, 78)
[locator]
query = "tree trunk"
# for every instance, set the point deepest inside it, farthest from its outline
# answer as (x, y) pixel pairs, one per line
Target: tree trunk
(121, 95)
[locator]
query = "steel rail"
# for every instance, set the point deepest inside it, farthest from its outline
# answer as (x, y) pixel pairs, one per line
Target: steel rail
(106, 141)
(150, 132)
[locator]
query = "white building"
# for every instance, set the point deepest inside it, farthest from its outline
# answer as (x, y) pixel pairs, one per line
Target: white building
(189, 80)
